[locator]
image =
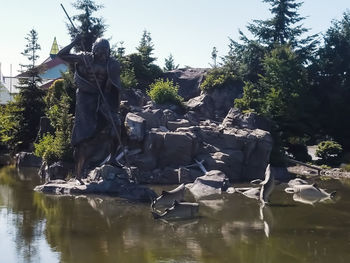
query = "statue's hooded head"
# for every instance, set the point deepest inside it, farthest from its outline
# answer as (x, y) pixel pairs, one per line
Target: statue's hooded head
(101, 48)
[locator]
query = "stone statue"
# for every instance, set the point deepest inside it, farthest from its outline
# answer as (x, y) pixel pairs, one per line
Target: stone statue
(94, 136)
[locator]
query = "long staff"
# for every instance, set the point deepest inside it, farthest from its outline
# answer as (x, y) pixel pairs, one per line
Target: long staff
(87, 64)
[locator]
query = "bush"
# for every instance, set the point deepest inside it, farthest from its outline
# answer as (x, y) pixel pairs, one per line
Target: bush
(128, 79)
(217, 78)
(164, 91)
(329, 151)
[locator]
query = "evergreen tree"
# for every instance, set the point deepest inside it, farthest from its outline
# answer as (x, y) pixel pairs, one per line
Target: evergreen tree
(170, 63)
(89, 26)
(331, 84)
(283, 28)
(146, 48)
(21, 120)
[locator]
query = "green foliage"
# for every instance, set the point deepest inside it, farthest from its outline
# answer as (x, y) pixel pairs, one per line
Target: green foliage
(328, 151)
(57, 147)
(146, 48)
(332, 82)
(90, 27)
(251, 99)
(164, 91)
(10, 125)
(170, 63)
(20, 119)
(217, 78)
(128, 78)
(283, 84)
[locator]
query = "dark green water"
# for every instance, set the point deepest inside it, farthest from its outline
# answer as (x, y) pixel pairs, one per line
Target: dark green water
(41, 228)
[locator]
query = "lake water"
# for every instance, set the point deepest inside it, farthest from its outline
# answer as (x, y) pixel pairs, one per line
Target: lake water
(43, 228)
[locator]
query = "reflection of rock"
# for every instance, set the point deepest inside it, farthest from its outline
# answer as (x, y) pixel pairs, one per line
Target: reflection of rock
(214, 204)
(179, 210)
(167, 198)
(250, 192)
(297, 181)
(213, 182)
(309, 194)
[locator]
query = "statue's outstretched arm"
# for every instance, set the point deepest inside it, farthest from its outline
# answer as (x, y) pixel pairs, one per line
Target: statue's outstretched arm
(65, 54)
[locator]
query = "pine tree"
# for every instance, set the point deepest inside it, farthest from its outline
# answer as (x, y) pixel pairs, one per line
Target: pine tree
(23, 115)
(283, 28)
(146, 48)
(89, 26)
(170, 63)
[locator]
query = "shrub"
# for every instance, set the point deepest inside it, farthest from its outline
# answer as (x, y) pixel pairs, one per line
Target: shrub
(217, 78)
(164, 91)
(128, 78)
(328, 151)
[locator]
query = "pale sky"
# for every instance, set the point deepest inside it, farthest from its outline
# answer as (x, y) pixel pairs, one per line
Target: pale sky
(189, 29)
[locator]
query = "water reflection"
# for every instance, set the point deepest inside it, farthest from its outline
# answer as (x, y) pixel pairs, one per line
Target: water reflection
(108, 229)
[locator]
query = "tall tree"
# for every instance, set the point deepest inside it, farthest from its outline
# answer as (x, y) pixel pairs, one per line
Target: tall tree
(23, 115)
(146, 48)
(89, 26)
(332, 81)
(283, 28)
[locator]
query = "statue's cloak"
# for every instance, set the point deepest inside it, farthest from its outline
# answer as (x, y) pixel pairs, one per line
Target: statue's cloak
(89, 101)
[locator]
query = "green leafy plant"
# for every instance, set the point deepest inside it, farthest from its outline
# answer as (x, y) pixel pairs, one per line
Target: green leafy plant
(328, 151)
(164, 91)
(217, 78)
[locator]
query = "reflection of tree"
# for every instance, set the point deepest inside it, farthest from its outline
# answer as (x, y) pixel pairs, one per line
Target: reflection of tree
(28, 224)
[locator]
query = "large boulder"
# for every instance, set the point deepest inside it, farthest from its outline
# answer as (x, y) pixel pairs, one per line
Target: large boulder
(202, 105)
(188, 79)
(212, 183)
(241, 154)
(135, 127)
(235, 118)
(171, 148)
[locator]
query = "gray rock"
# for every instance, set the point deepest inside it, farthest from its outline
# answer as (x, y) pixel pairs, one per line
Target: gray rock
(27, 159)
(235, 118)
(57, 170)
(133, 97)
(154, 118)
(107, 173)
(188, 79)
(188, 175)
(170, 148)
(135, 127)
(173, 125)
(202, 105)
(213, 182)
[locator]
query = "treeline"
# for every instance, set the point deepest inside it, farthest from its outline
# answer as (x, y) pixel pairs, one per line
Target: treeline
(298, 81)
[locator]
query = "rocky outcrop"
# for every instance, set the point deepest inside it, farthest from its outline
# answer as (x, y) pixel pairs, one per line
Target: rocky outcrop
(235, 118)
(188, 79)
